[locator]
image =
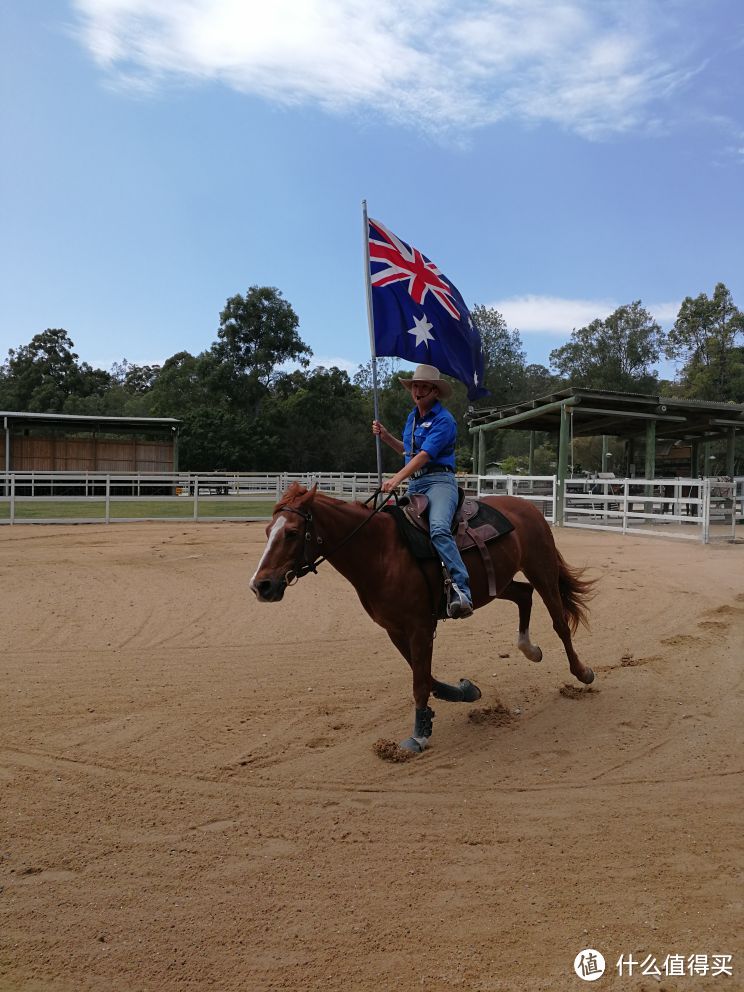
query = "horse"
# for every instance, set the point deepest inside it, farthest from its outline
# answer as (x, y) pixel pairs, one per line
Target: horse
(398, 592)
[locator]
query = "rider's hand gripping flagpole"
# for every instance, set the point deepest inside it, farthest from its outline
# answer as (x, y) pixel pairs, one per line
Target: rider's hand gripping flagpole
(373, 352)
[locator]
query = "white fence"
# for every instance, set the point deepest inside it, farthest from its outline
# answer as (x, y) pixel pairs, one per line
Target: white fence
(692, 509)
(76, 497)
(688, 509)
(538, 489)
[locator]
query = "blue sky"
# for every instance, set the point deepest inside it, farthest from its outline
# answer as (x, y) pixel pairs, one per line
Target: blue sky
(555, 158)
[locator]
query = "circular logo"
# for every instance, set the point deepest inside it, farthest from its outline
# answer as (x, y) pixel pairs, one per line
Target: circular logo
(589, 965)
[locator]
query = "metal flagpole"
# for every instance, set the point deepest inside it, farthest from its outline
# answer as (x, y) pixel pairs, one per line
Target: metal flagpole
(371, 323)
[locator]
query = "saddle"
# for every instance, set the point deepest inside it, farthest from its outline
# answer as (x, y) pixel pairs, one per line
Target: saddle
(474, 525)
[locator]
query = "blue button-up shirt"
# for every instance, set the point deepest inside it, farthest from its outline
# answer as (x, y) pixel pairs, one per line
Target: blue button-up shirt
(436, 434)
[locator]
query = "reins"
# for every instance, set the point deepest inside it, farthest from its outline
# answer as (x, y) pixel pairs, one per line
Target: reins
(307, 566)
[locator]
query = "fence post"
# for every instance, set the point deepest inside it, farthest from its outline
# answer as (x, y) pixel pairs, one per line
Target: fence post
(196, 497)
(733, 510)
(706, 510)
(626, 498)
(12, 498)
(108, 499)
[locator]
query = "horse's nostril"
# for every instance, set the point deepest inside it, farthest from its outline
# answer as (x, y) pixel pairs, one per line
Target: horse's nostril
(264, 586)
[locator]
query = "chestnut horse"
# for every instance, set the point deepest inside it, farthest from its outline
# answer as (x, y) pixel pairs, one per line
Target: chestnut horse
(397, 591)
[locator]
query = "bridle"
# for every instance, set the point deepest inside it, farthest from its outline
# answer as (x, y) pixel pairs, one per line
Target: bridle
(307, 563)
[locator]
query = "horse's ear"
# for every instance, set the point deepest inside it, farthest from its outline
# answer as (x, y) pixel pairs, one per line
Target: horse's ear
(300, 495)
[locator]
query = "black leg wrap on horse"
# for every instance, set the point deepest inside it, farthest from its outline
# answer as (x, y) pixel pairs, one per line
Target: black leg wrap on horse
(421, 731)
(422, 727)
(464, 692)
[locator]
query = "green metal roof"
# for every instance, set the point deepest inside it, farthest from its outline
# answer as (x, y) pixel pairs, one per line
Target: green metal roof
(596, 411)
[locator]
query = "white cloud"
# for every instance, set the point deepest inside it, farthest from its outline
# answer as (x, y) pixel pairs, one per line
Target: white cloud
(319, 361)
(558, 315)
(588, 67)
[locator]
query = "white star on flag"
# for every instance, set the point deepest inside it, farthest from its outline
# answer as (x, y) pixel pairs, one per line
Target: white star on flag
(420, 331)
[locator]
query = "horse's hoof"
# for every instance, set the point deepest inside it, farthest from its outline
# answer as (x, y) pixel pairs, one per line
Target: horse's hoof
(588, 677)
(470, 691)
(413, 745)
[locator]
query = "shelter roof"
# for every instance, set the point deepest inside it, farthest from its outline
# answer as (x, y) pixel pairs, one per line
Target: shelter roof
(83, 422)
(602, 411)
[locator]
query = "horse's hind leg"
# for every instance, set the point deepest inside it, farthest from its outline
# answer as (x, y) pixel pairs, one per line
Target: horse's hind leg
(521, 594)
(551, 596)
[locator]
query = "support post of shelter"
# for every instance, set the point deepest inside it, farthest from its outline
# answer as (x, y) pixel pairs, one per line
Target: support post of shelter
(706, 459)
(605, 451)
(650, 469)
(7, 455)
(630, 456)
(531, 462)
(694, 459)
(475, 454)
(175, 449)
(563, 445)
(481, 453)
(731, 451)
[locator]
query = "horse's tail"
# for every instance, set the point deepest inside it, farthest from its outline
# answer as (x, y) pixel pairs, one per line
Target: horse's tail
(576, 591)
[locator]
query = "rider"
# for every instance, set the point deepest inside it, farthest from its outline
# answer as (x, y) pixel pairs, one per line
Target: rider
(428, 445)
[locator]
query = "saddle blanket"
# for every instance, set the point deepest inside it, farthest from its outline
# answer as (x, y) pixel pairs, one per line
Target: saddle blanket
(475, 525)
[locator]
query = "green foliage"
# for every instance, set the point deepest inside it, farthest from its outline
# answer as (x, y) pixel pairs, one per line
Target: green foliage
(242, 410)
(503, 358)
(321, 422)
(45, 376)
(258, 333)
(617, 353)
(514, 465)
(705, 339)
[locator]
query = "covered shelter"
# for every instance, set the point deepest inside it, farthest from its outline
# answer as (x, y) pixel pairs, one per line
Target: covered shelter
(634, 417)
(60, 442)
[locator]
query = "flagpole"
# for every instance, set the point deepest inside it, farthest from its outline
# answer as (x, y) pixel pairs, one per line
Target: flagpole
(371, 324)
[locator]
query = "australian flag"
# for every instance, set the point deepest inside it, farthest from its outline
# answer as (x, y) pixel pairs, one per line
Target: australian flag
(418, 314)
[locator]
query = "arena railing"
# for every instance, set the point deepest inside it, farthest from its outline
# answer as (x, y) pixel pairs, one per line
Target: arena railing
(694, 509)
(105, 497)
(538, 489)
(688, 509)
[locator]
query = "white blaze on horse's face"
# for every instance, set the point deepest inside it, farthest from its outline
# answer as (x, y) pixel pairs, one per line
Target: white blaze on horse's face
(274, 537)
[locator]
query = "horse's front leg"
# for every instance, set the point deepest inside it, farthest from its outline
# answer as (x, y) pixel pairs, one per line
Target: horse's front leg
(416, 647)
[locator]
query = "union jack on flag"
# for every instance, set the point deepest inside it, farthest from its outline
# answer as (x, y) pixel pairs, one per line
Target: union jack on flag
(418, 314)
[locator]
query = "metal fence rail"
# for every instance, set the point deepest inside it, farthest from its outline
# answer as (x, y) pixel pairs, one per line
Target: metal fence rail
(97, 497)
(687, 509)
(538, 489)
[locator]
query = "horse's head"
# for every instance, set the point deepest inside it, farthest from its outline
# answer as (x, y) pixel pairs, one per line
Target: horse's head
(288, 549)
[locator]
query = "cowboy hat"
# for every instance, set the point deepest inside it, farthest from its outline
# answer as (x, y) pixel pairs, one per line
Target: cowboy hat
(427, 373)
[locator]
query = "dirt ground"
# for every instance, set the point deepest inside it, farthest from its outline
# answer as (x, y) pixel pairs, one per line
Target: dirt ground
(190, 798)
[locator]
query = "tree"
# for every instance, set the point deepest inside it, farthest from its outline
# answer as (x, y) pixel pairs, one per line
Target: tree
(45, 374)
(618, 352)
(258, 333)
(322, 421)
(134, 379)
(540, 381)
(705, 338)
(504, 358)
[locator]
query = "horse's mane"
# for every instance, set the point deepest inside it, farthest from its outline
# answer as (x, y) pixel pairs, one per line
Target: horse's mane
(296, 495)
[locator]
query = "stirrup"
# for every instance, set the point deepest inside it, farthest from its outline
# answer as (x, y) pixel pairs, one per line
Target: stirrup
(458, 605)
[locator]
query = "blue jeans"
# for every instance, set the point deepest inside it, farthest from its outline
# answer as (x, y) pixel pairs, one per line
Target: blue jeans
(441, 488)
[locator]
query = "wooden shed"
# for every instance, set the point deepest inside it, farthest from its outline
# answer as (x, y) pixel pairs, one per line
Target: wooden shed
(57, 442)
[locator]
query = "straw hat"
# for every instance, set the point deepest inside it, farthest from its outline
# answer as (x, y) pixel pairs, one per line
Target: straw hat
(427, 373)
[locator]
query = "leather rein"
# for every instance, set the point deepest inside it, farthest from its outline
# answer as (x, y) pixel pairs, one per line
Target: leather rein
(305, 565)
